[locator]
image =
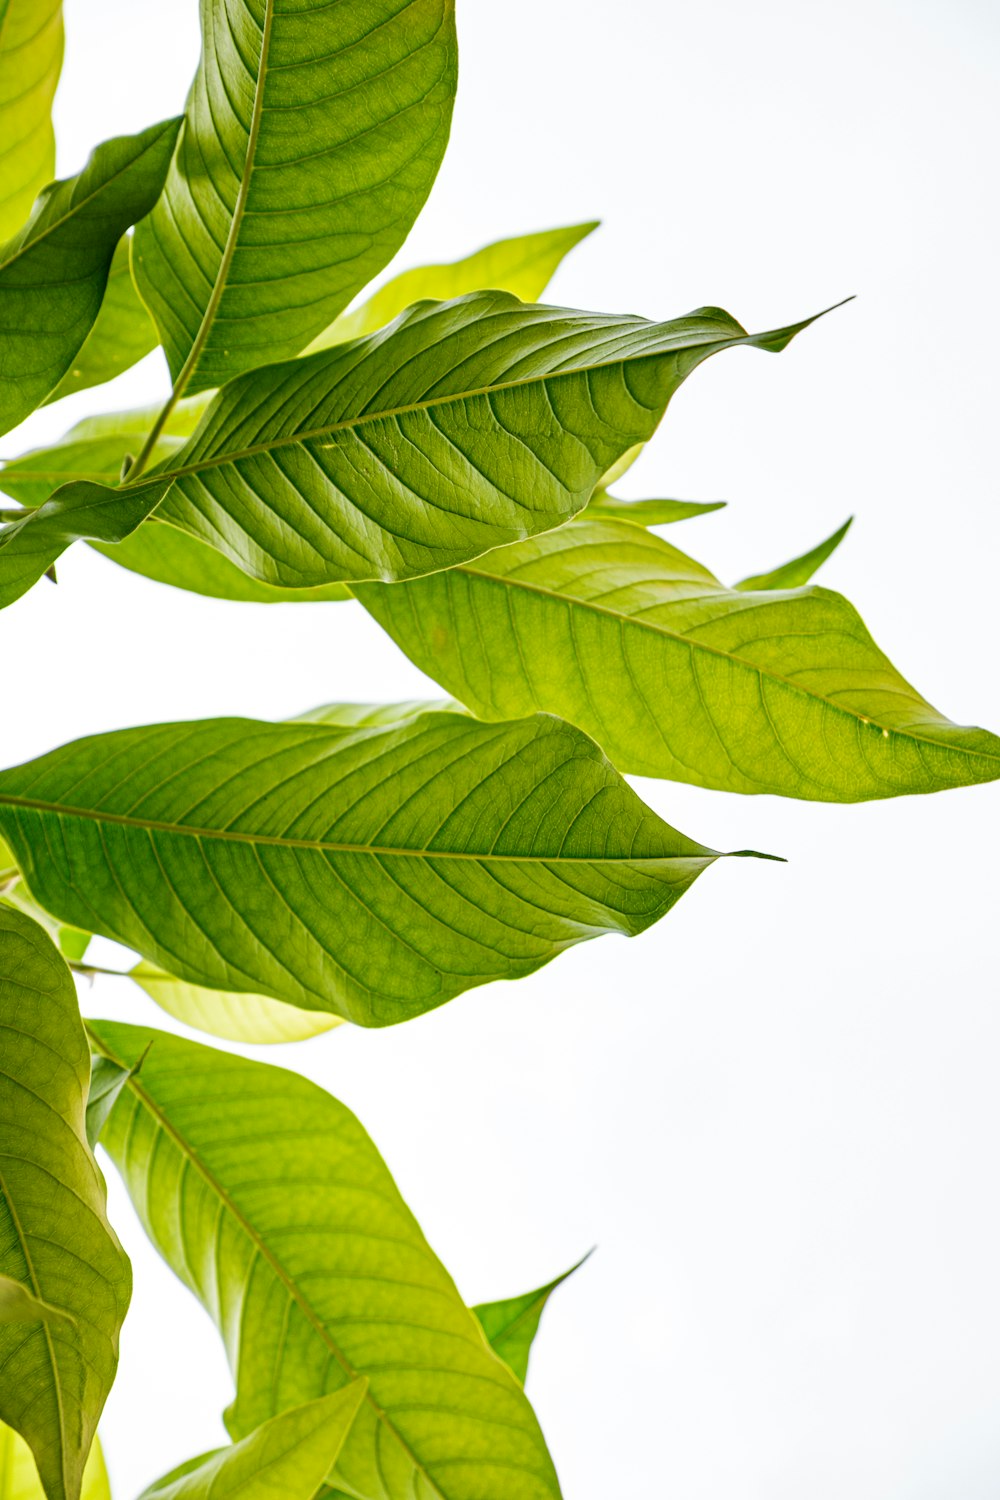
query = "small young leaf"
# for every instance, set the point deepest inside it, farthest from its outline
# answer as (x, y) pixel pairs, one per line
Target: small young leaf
(55, 1238)
(523, 266)
(234, 1017)
(286, 1458)
(54, 270)
(511, 1325)
(373, 874)
(313, 134)
(271, 1203)
(643, 512)
(676, 675)
(123, 334)
(31, 52)
(20, 1476)
(107, 1080)
(792, 575)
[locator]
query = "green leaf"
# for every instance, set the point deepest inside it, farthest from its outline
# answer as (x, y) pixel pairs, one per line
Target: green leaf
(792, 575)
(122, 335)
(463, 426)
(19, 1477)
(54, 270)
(235, 1017)
(511, 1325)
(31, 51)
(107, 1080)
(18, 1304)
(71, 942)
(271, 1203)
(54, 1234)
(676, 675)
(645, 512)
(286, 1458)
(373, 873)
(523, 266)
(313, 134)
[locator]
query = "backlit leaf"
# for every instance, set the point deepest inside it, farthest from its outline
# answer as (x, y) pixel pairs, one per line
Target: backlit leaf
(123, 334)
(313, 134)
(676, 675)
(31, 51)
(55, 1238)
(792, 575)
(461, 427)
(511, 1325)
(523, 266)
(235, 1017)
(645, 512)
(373, 874)
(286, 1458)
(270, 1202)
(18, 1304)
(54, 270)
(19, 1477)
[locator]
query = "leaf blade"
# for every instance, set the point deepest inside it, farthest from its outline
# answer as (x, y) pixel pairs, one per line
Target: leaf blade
(122, 334)
(31, 51)
(54, 1376)
(233, 1017)
(342, 1269)
(407, 863)
(793, 574)
(511, 1324)
(677, 676)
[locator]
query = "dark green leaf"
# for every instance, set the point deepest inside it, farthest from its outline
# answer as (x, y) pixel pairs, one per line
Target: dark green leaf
(373, 873)
(54, 270)
(54, 1234)
(270, 1202)
(122, 335)
(463, 426)
(523, 265)
(675, 675)
(511, 1325)
(792, 575)
(286, 1458)
(31, 51)
(313, 134)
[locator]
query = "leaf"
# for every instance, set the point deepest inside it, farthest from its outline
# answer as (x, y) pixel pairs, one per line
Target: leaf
(350, 716)
(792, 575)
(270, 1202)
(107, 1080)
(463, 426)
(54, 270)
(71, 942)
(54, 1234)
(31, 52)
(123, 334)
(313, 134)
(647, 512)
(511, 1325)
(374, 874)
(286, 1458)
(523, 266)
(18, 1304)
(675, 675)
(235, 1017)
(20, 1477)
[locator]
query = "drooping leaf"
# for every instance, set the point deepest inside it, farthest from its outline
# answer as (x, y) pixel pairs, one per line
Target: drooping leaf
(54, 1234)
(18, 1304)
(107, 1080)
(646, 512)
(372, 874)
(31, 51)
(54, 270)
(461, 427)
(676, 675)
(123, 333)
(286, 1458)
(792, 575)
(523, 266)
(511, 1325)
(270, 1202)
(19, 1476)
(313, 134)
(235, 1017)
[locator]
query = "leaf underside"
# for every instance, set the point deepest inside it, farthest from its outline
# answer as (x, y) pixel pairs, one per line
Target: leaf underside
(31, 51)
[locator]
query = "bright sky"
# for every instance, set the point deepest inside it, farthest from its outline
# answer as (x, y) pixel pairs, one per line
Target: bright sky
(776, 1114)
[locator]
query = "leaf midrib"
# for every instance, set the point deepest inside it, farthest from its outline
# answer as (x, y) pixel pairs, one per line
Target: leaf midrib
(324, 846)
(194, 1158)
(690, 642)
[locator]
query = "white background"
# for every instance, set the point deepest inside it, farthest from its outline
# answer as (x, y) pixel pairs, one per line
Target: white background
(776, 1114)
